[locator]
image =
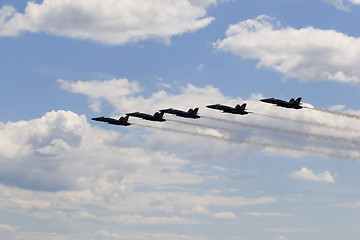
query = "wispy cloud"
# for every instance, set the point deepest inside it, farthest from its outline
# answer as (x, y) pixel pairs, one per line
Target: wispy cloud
(344, 5)
(268, 214)
(308, 174)
(291, 230)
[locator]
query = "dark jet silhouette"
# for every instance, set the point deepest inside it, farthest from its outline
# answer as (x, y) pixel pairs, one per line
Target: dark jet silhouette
(156, 117)
(122, 121)
(192, 113)
(287, 104)
(226, 109)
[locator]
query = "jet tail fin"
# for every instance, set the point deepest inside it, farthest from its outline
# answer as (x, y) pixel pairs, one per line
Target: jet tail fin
(193, 111)
(242, 107)
(298, 100)
(292, 100)
(159, 115)
(124, 119)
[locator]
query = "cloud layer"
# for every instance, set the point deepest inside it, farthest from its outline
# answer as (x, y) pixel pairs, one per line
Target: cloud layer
(107, 21)
(308, 54)
(60, 167)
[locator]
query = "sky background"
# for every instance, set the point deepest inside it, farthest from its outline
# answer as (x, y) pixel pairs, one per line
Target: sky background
(278, 174)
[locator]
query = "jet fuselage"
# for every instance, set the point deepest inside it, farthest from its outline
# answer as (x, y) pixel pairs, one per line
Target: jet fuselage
(189, 114)
(227, 109)
(158, 117)
(122, 121)
(281, 103)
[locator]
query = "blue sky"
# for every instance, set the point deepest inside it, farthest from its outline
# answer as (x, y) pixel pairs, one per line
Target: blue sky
(222, 176)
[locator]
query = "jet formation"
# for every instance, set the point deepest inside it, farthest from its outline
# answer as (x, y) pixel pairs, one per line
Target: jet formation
(192, 113)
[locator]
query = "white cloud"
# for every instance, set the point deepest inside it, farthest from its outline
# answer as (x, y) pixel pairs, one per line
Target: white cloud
(280, 238)
(108, 21)
(97, 235)
(137, 219)
(291, 230)
(8, 228)
(308, 174)
(103, 176)
(225, 215)
(350, 205)
(309, 54)
(201, 67)
(113, 91)
(268, 214)
(341, 4)
(50, 150)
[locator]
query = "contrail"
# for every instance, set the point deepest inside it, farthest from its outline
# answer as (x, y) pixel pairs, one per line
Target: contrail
(294, 132)
(324, 125)
(251, 142)
(336, 113)
(201, 125)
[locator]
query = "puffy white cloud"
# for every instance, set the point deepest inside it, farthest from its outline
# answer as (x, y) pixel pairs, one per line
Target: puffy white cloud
(308, 174)
(49, 152)
(308, 53)
(103, 176)
(114, 91)
(107, 21)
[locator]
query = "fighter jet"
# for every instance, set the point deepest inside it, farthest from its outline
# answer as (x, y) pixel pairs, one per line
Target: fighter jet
(122, 120)
(156, 117)
(287, 104)
(191, 113)
(226, 109)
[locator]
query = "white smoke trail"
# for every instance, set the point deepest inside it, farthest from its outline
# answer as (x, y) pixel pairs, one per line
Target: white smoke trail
(288, 131)
(336, 113)
(251, 142)
(316, 124)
